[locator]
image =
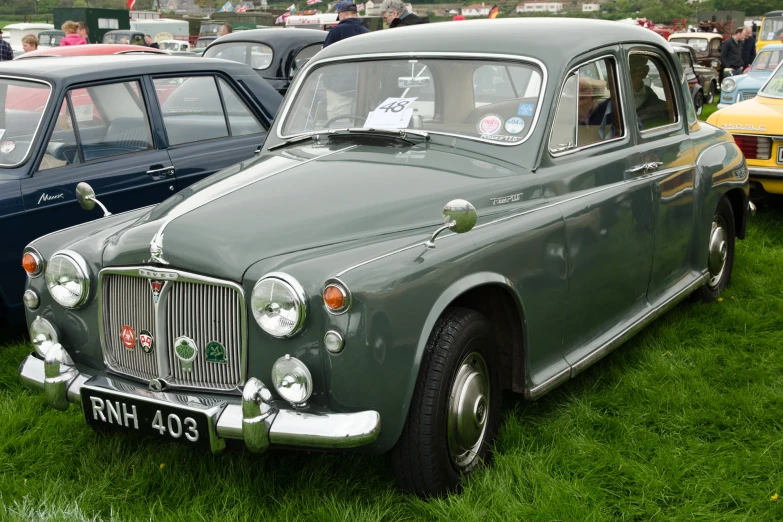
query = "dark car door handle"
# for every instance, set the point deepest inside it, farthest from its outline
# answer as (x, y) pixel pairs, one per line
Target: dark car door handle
(168, 171)
(637, 169)
(653, 166)
(258, 150)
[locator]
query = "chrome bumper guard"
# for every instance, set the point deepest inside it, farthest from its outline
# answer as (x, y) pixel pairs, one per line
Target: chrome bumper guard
(766, 172)
(253, 419)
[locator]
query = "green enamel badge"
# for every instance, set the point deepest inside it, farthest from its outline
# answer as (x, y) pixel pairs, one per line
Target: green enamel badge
(185, 349)
(215, 352)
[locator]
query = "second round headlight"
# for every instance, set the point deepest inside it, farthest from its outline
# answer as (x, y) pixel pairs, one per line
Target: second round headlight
(728, 85)
(279, 305)
(67, 279)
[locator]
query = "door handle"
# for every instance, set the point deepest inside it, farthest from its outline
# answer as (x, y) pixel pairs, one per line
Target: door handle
(653, 166)
(168, 171)
(258, 150)
(637, 169)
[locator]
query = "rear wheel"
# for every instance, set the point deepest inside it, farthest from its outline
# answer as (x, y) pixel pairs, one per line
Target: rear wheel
(455, 407)
(698, 102)
(720, 259)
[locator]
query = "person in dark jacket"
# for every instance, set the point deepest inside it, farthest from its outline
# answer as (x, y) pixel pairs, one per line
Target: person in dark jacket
(149, 43)
(396, 15)
(350, 24)
(731, 52)
(748, 46)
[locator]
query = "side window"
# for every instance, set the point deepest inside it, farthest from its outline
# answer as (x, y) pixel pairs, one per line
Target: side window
(715, 45)
(588, 111)
(653, 95)
(303, 56)
(240, 118)
(685, 60)
(62, 148)
(192, 110)
(111, 119)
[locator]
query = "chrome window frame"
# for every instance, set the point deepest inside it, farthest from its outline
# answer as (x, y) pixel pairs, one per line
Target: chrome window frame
(34, 137)
(160, 316)
(678, 121)
(761, 89)
(626, 135)
(305, 72)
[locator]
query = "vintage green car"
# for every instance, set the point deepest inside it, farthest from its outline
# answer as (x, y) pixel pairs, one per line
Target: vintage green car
(316, 297)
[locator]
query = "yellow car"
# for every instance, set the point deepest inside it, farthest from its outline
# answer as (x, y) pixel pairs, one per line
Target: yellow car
(757, 127)
(771, 29)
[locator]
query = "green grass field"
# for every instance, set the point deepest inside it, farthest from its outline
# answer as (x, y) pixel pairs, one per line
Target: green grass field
(683, 422)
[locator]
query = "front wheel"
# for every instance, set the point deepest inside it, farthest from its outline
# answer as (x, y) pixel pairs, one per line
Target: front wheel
(720, 259)
(698, 103)
(455, 409)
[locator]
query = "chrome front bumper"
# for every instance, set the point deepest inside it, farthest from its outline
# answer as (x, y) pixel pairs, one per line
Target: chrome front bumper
(253, 419)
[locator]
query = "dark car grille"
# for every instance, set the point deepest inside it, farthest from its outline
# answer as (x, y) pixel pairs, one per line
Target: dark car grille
(203, 312)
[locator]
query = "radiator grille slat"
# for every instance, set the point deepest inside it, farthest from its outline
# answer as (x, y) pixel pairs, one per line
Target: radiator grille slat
(748, 95)
(203, 312)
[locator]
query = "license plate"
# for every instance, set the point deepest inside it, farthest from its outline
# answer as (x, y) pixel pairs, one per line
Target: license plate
(780, 154)
(113, 412)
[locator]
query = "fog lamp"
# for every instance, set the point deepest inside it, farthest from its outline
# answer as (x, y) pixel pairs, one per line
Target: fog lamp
(31, 299)
(42, 335)
(292, 380)
(333, 341)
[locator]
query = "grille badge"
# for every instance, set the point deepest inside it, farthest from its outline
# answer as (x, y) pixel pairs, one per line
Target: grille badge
(186, 351)
(215, 352)
(156, 286)
(146, 341)
(128, 337)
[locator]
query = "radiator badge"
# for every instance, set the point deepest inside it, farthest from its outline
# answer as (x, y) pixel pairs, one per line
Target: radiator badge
(128, 337)
(215, 352)
(146, 341)
(186, 351)
(156, 286)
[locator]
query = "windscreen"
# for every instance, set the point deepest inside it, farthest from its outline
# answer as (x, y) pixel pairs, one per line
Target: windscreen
(698, 44)
(772, 28)
(256, 55)
(494, 101)
(23, 104)
(766, 61)
(774, 87)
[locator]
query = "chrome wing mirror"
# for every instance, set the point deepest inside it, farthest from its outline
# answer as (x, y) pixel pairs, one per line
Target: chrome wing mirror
(458, 216)
(85, 195)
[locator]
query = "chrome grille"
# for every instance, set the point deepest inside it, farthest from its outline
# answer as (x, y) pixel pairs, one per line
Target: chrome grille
(128, 301)
(201, 308)
(205, 313)
(748, 95)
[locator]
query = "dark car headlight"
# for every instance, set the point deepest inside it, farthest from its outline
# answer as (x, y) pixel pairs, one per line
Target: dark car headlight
(67, 279)
(279, 305)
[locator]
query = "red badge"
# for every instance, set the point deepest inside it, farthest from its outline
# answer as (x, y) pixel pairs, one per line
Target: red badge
(156, 288)
(128, 337)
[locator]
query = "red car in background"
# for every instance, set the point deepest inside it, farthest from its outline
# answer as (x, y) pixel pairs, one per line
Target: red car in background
(88, 50)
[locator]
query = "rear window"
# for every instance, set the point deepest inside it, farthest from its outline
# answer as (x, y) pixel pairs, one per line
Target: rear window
(698, 44)
(23, 104)
(256, 55)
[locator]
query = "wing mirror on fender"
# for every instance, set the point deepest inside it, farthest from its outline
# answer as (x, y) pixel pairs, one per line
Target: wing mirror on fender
(85, 195)
(458, 216)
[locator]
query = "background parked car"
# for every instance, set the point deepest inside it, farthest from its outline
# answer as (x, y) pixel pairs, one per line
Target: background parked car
(50, 38)
(275, 54)
(745, 86)
(706, 46)
(124, 36)
(703, 81)
(174, 45)
(140, 128)
(91, 50)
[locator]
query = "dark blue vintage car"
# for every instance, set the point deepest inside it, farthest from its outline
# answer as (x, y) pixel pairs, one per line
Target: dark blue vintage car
(137, 129)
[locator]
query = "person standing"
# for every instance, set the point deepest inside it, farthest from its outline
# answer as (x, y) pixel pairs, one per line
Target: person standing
(6, 53)
(29, 43)
(84, 32)
(748, 46)
(396, 15)
(731, 52)
(350, 24)
(149, 43)
(71, 30)
(225, 29)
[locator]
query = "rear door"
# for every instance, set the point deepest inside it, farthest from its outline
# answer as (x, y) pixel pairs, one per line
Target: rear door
(102, 136)
(208, 123)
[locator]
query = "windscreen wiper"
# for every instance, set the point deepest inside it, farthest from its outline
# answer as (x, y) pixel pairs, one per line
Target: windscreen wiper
(298, 139)
(401, 134)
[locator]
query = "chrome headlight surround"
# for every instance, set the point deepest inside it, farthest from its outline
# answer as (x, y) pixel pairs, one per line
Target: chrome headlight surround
(728, 85)
(266, 306)
(82, 279)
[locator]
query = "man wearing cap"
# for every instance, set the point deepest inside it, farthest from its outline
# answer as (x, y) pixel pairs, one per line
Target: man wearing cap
(6, 53)
(350, 24)
(648, 105)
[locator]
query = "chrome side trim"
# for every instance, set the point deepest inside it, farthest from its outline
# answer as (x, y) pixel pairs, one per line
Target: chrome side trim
(549, 384)
(766, 172)
(300, 77)
(157, 239)
(40, 120)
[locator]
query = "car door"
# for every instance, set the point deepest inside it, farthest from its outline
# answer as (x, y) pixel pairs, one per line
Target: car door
(662, 132)
(101, 136)
(208, 122)
(606, 205)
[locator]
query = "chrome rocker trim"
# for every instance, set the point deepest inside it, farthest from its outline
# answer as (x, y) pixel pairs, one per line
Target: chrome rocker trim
(255, 419)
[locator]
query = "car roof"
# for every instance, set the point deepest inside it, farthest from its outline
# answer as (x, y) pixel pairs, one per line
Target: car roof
(706, 36)
(88, 50)
(508, 36)
(77, 69)
(772, 47)
(276, 34)
(774, 13)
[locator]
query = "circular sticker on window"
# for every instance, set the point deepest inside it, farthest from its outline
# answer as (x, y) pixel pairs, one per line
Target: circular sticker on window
(515, 125)
(7, 146)
(490, 124)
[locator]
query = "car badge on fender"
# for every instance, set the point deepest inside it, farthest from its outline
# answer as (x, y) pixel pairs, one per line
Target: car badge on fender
(186, 351)
(740, 126)
(146, 341)
(128, 337)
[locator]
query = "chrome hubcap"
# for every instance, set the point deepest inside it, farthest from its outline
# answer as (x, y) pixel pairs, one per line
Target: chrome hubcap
(719, 250)
(468, 410)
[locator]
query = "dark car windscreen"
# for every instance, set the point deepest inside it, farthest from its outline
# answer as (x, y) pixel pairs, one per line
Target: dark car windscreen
(256, 55)
(22, 105)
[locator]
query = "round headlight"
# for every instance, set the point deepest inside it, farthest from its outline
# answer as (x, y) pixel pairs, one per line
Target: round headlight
(42, 335)
(728, 85)
(67, 280)
(292, 379)
(279, 305)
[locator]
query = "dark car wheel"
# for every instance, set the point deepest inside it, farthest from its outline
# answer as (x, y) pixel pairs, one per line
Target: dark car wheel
(720, 259)
(698, 103)
(455, 409)
(709, 98)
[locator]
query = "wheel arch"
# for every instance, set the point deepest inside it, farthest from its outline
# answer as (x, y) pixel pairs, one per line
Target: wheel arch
(739, 205)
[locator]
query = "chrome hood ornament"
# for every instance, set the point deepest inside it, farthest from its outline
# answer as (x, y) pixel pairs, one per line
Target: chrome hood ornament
(156, 248)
